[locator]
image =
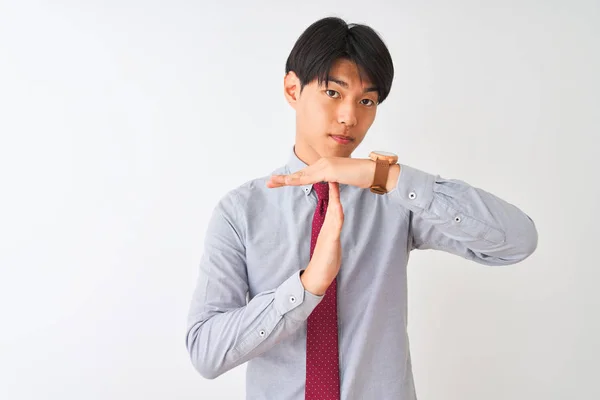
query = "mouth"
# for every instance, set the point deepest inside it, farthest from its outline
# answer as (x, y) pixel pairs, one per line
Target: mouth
(342, 139)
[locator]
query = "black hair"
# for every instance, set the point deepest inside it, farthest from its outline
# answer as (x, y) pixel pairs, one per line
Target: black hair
(331, 38)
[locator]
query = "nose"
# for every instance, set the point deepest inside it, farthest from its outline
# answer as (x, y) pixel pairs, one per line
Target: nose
(347, 115)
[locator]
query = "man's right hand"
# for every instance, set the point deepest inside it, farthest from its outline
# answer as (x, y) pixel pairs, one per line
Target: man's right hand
(327, 255)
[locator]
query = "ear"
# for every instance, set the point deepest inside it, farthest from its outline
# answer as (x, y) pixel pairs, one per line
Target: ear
(291, 88)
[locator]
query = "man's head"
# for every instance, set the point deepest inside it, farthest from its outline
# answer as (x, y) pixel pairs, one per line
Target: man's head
(336, 76)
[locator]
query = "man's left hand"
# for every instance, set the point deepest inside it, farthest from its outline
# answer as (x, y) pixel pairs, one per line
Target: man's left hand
(350, 171)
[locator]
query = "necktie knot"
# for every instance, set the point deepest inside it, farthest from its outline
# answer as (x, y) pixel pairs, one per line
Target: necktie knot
(322, 190)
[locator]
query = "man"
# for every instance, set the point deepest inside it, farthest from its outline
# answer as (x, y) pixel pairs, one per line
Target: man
(312, 294)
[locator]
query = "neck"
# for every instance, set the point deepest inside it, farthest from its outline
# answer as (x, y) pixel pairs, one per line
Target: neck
(306, 153)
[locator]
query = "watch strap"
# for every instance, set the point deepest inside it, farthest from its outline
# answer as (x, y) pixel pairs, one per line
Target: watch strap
(382, 169)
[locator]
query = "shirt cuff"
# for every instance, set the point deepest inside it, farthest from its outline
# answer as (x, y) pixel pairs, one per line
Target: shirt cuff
(293, 301)
(414, 189)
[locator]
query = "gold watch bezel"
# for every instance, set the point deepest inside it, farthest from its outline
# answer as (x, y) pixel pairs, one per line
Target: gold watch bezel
(391, 158)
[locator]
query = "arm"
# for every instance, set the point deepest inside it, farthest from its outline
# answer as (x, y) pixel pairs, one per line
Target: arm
(453, 216)
(445, 214)
(223, 330)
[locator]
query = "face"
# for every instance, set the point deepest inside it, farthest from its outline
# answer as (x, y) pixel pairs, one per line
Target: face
(331, 121)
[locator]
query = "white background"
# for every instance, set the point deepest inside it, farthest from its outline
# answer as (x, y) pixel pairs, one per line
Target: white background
(123, 122)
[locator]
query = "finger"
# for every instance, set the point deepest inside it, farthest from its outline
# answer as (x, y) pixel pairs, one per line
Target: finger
(334, 217)
(298, 178)
(334, 192)
(312, 174)
(276, 181)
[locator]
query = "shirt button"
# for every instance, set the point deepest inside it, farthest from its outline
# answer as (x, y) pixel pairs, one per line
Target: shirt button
(292, 299)
(261, 332)
(412, 195)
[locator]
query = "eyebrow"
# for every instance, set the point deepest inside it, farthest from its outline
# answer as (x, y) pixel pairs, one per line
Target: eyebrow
(345, 84)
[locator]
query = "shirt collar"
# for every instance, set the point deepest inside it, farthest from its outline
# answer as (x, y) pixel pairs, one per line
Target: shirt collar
(295, 164)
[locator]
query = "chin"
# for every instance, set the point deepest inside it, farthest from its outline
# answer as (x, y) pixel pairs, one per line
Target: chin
(337, 150)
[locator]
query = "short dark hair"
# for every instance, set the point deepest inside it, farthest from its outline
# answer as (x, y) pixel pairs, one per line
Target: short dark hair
(331, 38)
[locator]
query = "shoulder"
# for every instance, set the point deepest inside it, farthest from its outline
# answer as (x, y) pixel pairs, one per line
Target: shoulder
(249, 195)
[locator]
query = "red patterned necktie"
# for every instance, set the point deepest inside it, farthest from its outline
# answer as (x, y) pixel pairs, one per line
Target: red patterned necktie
(322, 359)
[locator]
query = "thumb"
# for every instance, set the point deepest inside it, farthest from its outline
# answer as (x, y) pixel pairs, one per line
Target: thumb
(334, 217)
(334, 205)
(334, 192)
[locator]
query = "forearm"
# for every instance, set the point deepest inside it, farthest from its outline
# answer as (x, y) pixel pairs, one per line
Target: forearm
(220, 338)
(451, 215)
(315, 283)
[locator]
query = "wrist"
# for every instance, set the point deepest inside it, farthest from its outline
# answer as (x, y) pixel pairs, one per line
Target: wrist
(393, 176)
(312, 284)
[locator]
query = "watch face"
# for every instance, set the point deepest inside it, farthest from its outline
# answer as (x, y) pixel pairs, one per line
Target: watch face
(385, 153)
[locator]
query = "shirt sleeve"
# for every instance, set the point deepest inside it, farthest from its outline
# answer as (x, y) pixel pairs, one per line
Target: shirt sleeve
(224, 330)
(453, 216)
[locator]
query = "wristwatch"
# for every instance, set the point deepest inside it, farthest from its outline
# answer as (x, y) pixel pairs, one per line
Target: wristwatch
(382, 160)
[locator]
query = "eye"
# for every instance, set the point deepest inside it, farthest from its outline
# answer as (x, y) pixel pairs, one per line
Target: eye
(369, 103)
(329, 91)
